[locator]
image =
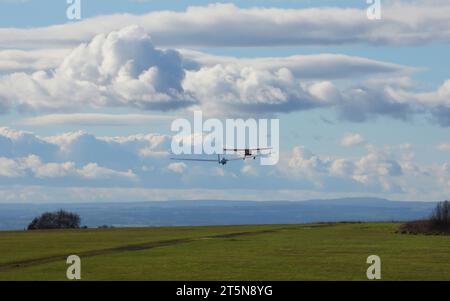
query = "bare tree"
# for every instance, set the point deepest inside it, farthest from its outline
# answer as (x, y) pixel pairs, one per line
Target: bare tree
(441, 214)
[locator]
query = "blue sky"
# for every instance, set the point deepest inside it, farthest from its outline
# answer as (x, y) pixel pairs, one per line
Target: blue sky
(371, 119)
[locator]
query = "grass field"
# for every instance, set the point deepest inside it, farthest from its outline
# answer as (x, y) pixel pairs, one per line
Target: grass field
(271, 252)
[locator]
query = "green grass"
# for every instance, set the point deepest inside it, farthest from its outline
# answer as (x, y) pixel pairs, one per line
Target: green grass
(289, 252)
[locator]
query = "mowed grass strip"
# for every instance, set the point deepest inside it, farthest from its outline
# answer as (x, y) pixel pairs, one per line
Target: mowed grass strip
(301, 252)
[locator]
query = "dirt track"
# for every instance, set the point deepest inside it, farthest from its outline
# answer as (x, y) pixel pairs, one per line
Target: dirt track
(127, 248)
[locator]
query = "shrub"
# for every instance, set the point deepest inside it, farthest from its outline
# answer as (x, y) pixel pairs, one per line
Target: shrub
(56, 220)
(438, 223)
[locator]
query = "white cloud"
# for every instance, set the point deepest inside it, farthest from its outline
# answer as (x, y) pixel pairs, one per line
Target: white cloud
(436, 102)
(42, 194)
(352, 139)
(102, 74)
(112, 151)
(403, 23)
(377, 165)
(124, 69)
(226, 85)
(177, 167)
(229, 89)
(249, 170)
(444, 147)
(305, 162)
(28, 60)
(9, 168)
(314, 66)
(119, 69)
(342, 167)
(78, 155)
(93, 171)
(83, 160)
(12, 134)
(49, 170)
(15, 168)
(93, 119)
(21, 144)
(389, 169)
(307, 165)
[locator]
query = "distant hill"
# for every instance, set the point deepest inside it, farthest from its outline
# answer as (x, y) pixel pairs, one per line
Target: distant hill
(216, 212)
(368, 202)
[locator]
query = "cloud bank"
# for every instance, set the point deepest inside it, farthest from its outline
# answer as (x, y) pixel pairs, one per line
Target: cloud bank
(142, 161)
(124, 69)
(402, 23)
(93, 119)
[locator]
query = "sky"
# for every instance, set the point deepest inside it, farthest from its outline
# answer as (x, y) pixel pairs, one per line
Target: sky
(86, 105)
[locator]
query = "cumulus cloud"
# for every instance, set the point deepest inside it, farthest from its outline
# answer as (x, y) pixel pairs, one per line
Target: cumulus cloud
(177, 167)
(21, 144)
(391, 168)
(299, 82)
(377, 166)
(77, 155)
(9, 168)
(122, 68)
(34, 167)
(249, 170)
(78, 159)
(403, 23)
(305, 162)
(341, 167)
(436, 102)
(236, 88)
(83, 159)
(114, 152)
(444, 147)
(233, 90)
(352, 139)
